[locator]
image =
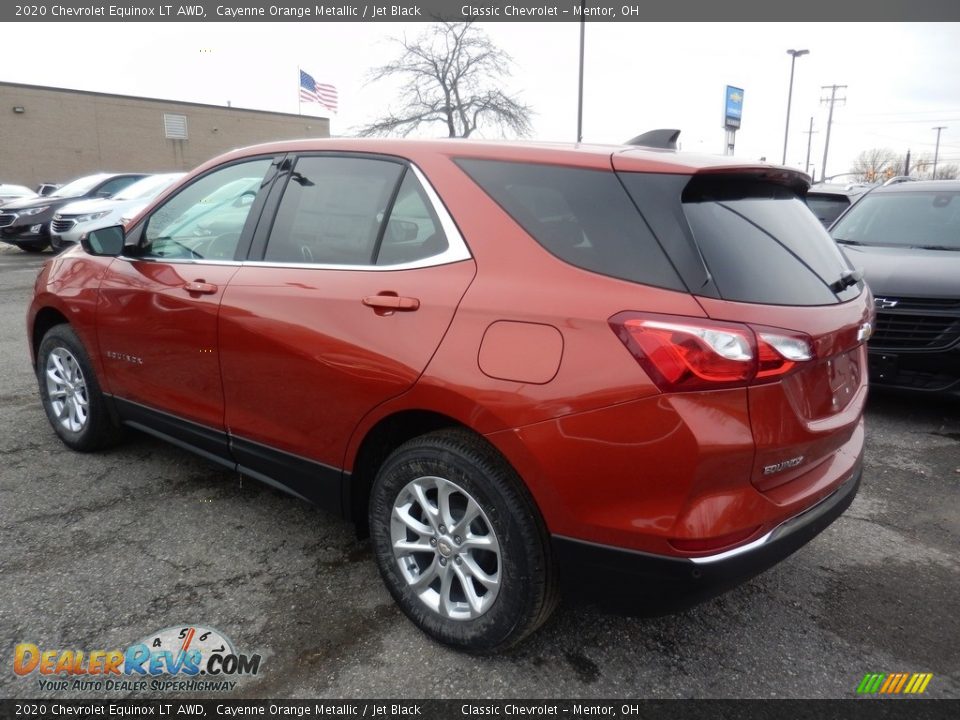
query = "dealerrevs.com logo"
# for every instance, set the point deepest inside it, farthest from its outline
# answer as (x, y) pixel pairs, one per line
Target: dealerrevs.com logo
(176, 659)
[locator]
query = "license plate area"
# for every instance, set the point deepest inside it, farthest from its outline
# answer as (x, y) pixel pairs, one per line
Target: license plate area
(883, 366)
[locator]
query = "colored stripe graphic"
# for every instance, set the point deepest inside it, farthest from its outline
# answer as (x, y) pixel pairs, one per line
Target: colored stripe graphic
(894, 683)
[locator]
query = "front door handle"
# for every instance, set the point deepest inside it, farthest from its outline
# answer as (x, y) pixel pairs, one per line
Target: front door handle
(201, 287)
(392, 302)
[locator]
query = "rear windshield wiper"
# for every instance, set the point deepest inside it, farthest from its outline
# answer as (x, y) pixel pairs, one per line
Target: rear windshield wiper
(847, 278)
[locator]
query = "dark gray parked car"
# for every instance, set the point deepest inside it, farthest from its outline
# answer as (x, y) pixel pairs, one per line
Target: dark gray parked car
(906, 238)
(829, 201)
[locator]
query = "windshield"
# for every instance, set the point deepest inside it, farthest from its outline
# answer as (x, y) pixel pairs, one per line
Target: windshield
(148, 187)
(79, 186)
(925, 219)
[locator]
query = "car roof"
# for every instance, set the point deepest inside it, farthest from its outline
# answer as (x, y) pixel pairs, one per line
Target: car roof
(920, 186)
(847, 190)
(623, 157)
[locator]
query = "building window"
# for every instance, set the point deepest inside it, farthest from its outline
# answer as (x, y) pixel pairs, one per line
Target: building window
(174, 126)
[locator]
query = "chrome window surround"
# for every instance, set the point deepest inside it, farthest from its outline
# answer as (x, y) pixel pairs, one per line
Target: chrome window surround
(456, 251)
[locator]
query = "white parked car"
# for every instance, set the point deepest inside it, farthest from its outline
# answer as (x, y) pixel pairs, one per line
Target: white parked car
(75, 219)
(14, 192)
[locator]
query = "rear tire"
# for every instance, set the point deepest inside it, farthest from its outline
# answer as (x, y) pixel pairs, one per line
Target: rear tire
(460, 544)
(70, 392)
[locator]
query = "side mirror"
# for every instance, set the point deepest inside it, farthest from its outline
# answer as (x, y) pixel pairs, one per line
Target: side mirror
(107, 242)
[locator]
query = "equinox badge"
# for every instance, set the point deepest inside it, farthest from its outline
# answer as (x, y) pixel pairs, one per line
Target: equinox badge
(792, 462)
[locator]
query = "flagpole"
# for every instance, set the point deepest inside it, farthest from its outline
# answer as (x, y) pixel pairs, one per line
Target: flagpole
(299, 101)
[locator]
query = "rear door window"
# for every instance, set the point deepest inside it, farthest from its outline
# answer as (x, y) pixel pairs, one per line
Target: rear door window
(584, 217)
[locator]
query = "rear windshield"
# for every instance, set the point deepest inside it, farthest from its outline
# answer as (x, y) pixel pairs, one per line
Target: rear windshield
(763, 245)
(922, 219)
(583, 217)
(827, 208)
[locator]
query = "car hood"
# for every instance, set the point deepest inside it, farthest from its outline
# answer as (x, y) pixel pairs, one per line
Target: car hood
(17, 205)
(83, 207)
(906, 272)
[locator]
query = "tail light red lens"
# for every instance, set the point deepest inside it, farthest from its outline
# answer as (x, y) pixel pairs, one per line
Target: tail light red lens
(684, 354)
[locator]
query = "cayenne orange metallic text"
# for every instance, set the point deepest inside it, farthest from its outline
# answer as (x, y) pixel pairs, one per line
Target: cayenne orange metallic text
(513, 364)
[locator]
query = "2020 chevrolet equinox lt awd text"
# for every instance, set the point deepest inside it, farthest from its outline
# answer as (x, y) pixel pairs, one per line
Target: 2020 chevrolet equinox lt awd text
(512, 363)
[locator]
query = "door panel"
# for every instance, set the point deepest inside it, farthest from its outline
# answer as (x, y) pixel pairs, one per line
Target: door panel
(158, 339)
(157, 311)
(304, 358)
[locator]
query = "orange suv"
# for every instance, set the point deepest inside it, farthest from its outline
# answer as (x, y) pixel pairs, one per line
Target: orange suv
(512, 363)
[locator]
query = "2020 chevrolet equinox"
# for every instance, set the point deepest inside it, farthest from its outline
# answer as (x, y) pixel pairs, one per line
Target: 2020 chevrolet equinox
(513, 363)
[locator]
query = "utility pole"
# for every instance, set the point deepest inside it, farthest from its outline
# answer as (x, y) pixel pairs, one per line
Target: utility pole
(833, 99)
(936, 152)
(809, 133)
(906, 163)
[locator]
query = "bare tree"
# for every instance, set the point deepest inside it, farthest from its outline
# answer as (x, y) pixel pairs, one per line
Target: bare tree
(876, 165)
(453, 75)
(945, 171)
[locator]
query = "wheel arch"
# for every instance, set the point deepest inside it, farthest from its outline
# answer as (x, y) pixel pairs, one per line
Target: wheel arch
(45, 319)
(385, 436)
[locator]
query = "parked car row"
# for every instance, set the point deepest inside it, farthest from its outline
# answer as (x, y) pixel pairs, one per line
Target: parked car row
(58, 215)
(26, 222)
(71, 221)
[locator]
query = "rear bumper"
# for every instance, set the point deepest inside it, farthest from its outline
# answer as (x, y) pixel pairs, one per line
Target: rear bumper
(683, 581)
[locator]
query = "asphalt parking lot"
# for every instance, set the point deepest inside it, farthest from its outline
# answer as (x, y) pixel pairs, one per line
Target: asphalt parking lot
(99, 551)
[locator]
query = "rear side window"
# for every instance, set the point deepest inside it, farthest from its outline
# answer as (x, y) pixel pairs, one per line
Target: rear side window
(762, 244)
(583, 217)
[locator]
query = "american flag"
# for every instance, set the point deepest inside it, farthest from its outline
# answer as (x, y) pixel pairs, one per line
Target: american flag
(312, 91)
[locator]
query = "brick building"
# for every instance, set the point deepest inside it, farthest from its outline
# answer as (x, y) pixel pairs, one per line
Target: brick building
(55, 135)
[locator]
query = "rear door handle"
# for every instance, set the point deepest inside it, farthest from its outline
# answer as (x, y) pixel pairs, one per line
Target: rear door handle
(201, 287)
(392, 302)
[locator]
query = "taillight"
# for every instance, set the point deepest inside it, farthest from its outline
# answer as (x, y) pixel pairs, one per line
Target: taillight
(683, 354)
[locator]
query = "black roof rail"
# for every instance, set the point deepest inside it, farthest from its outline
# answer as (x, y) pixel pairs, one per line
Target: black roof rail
(663, 138)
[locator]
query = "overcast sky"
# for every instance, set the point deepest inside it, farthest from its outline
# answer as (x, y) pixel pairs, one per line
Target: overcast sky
(902, 79)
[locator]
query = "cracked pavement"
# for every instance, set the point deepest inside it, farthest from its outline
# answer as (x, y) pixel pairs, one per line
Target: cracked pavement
(99, 550)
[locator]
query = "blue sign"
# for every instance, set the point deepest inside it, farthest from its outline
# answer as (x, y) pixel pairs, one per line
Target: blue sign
(732, 107)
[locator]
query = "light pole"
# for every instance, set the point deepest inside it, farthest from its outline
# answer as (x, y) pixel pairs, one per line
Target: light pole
(936, 152)
(583, 30)
(794, 54)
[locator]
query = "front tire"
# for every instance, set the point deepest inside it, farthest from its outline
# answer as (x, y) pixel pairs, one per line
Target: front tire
(459, 542)
(33, 247)
(70, 392)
